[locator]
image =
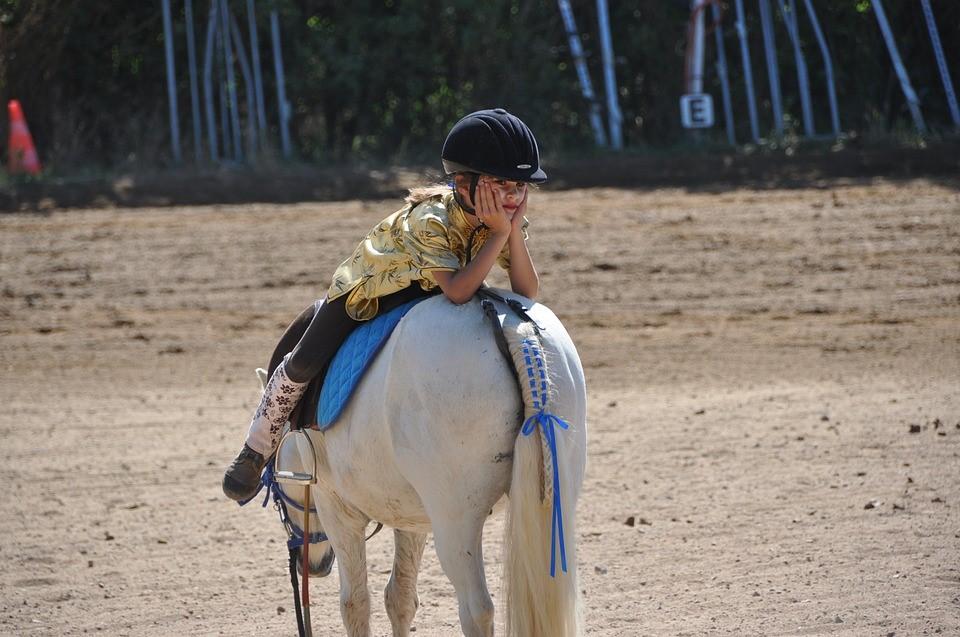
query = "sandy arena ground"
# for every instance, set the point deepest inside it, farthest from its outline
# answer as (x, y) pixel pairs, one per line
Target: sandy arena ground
(774, 421)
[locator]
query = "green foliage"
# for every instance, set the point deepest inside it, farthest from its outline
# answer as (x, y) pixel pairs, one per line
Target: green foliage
(385, 79)
(87, 76)
(381, 77)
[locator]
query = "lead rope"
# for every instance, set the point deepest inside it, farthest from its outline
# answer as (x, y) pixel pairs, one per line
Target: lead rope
(298, 540)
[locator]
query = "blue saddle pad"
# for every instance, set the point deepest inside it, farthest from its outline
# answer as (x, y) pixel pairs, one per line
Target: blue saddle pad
(352, 360)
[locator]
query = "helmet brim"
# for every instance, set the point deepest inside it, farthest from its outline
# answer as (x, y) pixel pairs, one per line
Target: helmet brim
(528, 174)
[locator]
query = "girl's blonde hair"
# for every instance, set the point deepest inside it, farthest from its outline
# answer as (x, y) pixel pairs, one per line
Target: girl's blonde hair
(422, 193)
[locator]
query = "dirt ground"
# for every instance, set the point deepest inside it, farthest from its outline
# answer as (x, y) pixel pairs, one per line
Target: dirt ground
(774, 383)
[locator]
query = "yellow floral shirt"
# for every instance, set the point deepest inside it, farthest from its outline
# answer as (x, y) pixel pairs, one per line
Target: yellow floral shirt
(408, 246)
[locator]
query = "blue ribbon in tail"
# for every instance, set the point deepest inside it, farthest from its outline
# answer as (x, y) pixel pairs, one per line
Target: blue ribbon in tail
(547, 421)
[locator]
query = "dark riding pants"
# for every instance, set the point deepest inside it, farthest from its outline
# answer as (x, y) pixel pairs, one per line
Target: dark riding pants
(318, 332)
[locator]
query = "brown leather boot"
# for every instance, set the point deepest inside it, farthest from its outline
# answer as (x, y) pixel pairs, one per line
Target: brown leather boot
(242, 478)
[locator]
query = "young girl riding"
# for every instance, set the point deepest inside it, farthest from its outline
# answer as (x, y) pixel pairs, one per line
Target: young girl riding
(445, 237)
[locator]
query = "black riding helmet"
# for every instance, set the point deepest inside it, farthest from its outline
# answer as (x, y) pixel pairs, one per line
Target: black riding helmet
(493, 142)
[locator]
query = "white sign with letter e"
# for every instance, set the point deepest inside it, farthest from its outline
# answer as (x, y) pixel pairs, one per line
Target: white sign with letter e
(696, 110)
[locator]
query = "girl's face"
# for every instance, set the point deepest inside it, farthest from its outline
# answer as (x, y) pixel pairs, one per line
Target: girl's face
(510, 194)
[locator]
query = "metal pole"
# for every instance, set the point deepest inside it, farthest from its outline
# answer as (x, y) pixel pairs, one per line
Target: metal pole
(722, 72)
(225, 128)
(586, 87)
(770, 48)
(912, 101)
(208, 82)
(614, 118)
(171, 82)
(697, 37)
(828, 65)
(257, 75)
(248, 82)
(281, 91)
(941, 62)
(789, 12)
(194, 92)
(741, 27)
(231, 81)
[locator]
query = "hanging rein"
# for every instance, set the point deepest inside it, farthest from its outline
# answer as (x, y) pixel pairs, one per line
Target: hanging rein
(295, 538)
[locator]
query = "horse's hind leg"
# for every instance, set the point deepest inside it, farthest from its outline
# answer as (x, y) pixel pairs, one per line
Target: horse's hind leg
(400, 595)
(460, 551)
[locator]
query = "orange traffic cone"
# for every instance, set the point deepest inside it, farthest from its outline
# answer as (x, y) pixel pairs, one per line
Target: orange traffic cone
(23, 156)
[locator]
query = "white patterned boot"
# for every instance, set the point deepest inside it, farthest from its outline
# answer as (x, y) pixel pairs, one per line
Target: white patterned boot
(279, 398)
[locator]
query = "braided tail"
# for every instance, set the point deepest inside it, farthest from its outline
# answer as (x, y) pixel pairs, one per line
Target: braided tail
(540, 578)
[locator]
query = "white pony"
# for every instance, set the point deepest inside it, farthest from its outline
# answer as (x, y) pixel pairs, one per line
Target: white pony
(430, 442)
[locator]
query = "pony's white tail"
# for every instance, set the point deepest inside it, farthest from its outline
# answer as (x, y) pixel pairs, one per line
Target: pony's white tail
(538, 604)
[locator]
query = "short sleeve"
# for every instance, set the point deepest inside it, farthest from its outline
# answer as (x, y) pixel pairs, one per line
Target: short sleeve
(503, 259)
(428, 243)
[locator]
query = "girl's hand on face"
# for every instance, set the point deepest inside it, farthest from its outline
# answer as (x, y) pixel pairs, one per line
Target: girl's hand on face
(517, 222)
(490, 210)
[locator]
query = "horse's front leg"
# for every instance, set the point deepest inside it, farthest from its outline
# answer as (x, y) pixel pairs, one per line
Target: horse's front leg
(344, 526)
(400, 595)
(354, 595)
